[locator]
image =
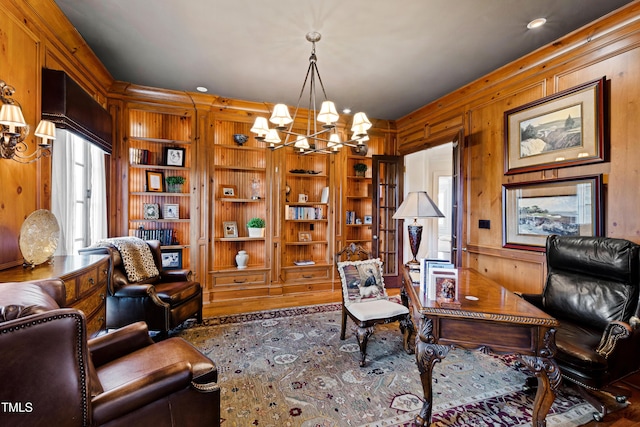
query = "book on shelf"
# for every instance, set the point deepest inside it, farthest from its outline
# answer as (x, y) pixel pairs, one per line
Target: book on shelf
(304, 262)
(303, 212)
(324, 198)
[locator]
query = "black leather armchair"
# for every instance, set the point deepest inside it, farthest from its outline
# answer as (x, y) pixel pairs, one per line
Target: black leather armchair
(592, 288)
(52, 375)
(163, 302)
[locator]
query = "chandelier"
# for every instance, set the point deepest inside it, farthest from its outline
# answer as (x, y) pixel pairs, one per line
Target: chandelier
(325, 133)
(14, 130)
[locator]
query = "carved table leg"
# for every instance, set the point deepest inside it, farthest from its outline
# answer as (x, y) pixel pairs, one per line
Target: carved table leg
(428, 353)
(549, 378)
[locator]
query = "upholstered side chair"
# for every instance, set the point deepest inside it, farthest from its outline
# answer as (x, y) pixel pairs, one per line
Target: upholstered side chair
(593, 289)
(164, 300)
(365, 300)
(52, 375)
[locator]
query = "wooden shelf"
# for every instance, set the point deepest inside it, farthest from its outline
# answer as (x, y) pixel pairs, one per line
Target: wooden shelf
(164, 141)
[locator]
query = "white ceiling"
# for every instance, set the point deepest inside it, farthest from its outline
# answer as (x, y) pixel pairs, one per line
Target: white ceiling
(387, 58)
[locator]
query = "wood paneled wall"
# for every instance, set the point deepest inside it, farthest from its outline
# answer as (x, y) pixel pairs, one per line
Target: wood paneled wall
(29, 42)
(609, 47)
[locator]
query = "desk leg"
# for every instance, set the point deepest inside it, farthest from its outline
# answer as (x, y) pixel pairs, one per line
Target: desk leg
(549, 378)
(428, 353)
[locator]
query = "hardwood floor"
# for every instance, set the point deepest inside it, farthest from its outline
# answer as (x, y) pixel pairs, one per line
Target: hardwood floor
(627, 417)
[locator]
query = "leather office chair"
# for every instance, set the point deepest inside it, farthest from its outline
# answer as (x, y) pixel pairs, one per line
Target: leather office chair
(364, 298)
(53, 376)
(592, 289)
(163, 302)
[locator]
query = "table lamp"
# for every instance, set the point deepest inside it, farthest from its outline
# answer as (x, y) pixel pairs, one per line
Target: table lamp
(418, 204)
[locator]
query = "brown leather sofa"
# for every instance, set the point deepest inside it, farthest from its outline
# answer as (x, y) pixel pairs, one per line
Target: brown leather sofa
(163, 302)
(53, 376)
(593, 290)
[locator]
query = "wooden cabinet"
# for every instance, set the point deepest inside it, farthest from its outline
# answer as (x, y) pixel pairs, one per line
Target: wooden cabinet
(86, 278)
(159, 142)
(240, 190)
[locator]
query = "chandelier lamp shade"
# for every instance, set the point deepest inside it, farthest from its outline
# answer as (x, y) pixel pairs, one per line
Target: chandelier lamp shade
(321, 124)
(418, 204)
(14, 130)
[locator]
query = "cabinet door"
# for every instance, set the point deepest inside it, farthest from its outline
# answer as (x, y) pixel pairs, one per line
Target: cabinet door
(387, 240)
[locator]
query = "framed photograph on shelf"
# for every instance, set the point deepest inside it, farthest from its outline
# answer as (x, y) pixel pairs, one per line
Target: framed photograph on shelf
(171, 259)
(228, 191)
(174, 156)
(563, 129)
(304, 236)
(155, 181)
(151, 211)
(368, 219)
(171, 211)
(230, 229)
(533, 210)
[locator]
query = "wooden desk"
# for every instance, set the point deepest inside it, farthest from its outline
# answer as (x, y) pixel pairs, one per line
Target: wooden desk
(498, 321)
(85, 277)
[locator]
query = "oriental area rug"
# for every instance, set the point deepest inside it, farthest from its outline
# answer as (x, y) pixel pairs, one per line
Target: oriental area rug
(289, 368)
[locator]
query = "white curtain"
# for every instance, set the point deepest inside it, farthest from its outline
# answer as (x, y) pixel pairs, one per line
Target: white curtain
(62, 200)
(98, 201)
(76, 232)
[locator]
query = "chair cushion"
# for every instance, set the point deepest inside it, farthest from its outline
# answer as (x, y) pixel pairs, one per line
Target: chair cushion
(177, 292)
(362, 281)
(376, 309)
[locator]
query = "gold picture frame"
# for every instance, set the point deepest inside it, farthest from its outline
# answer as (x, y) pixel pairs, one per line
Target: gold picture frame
(155, 181)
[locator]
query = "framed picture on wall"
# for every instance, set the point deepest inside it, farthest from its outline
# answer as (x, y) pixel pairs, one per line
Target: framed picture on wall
(533, 210)
(564, 129)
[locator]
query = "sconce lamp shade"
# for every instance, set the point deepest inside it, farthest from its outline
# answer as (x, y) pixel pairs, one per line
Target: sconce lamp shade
(11, 115)
(46, 130)
(418, 204)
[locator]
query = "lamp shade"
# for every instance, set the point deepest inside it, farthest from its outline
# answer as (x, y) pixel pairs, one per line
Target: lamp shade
(280, 116)
(260, 127)
(361, 124)
(418, 204)
(11, 115)
(46, 130)
(272, 136)
(328, 113)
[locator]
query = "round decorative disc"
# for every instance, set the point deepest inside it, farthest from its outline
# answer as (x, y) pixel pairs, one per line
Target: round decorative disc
(39, 237)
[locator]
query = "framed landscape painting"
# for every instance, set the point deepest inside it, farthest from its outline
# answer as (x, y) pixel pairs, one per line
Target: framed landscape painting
(534, 210)
(564, 129)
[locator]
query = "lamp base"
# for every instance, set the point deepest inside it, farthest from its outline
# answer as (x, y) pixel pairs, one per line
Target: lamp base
(415, 236)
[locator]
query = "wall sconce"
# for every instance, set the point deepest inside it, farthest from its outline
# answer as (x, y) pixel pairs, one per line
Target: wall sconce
(15, 130)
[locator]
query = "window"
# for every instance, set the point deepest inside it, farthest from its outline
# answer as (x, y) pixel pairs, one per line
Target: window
(78, 192)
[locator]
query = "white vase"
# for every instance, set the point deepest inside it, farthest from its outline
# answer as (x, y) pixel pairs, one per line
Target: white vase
(256, 232)
(242, 258)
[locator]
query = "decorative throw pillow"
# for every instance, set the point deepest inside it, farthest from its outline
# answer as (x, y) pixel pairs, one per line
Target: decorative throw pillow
(362, 280)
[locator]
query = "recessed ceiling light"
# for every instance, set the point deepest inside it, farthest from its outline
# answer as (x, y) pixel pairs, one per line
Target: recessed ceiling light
(347, 110)
(202, 89)
(539, 22)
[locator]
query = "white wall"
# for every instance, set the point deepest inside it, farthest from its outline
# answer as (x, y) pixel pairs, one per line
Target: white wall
(421, 170)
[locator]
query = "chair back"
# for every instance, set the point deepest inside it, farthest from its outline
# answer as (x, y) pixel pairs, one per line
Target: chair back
(591, 280)
(360, 275)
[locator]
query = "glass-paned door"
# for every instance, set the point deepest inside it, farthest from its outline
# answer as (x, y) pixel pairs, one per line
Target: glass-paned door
(387, 190)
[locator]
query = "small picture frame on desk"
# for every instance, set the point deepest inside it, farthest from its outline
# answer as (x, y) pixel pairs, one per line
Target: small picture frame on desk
(171, 259)
(174, 156)
(444, 287)
(230, 229)
(155, 181)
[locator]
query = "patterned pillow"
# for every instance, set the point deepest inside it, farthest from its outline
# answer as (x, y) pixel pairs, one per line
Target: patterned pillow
(362, 280)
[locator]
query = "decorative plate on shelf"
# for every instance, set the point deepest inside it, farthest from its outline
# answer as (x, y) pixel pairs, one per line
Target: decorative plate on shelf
(39, 237)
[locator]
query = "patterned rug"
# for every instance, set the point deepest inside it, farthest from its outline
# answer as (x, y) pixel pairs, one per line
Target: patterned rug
(290, 368)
